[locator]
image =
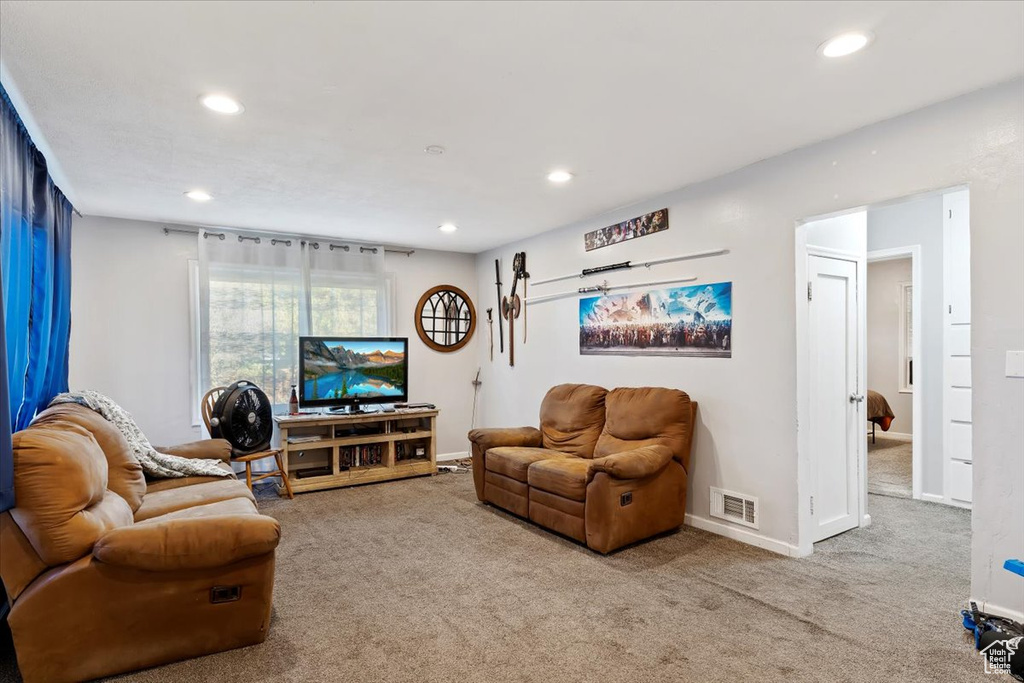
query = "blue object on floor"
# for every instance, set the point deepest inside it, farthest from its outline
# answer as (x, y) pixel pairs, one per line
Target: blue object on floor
(971, 626)
(980, 623)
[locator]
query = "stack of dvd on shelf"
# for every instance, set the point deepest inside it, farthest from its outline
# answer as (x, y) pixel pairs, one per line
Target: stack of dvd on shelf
(409, 451)
(371, 454)
(347, 457)
(361, 456)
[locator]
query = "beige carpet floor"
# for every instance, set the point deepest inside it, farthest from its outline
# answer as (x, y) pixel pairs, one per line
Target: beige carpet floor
(890, 466)
(415, 581)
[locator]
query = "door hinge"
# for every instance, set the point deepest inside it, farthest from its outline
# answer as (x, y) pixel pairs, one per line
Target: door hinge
(812, 505)
(810, 294)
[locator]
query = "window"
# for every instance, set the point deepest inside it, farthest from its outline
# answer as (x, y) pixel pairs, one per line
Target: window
(254, 328)
(349, 305)
(248, 318)
(906, 338)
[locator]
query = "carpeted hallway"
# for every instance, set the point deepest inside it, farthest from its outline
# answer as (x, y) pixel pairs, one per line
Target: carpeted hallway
(890, 467)
(415, 581)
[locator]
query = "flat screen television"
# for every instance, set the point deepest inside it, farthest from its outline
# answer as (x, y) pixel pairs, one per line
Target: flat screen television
(353, 371)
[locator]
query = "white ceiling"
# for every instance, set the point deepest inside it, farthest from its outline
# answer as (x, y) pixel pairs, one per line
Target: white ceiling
(635, 98)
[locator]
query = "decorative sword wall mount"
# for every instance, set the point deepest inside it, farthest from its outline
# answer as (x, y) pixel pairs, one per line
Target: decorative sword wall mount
(604, 288)
(626, 265)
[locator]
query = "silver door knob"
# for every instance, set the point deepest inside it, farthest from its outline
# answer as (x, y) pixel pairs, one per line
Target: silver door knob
(856, 398)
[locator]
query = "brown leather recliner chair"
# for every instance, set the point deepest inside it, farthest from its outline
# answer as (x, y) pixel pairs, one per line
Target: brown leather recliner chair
(607, 468)
(107, 572)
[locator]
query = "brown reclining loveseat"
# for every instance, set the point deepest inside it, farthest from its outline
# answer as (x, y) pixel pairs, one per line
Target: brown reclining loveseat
(607, 468)
(107, 572)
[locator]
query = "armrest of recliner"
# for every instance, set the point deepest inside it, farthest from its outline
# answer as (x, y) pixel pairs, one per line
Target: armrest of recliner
(634, 464)
(514, 436)
(199, 543)
(485, 439)
(206, 449)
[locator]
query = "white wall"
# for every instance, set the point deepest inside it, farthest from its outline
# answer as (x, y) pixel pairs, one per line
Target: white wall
(444, 379)
(746, 440)
(846, 232)
(130, 327)
(130, 322)
(883, 334)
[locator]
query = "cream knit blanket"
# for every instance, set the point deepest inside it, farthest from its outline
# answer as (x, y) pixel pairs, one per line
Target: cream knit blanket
(155, 464)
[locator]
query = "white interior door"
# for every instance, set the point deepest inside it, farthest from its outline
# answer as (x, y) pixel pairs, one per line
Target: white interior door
(837, 409)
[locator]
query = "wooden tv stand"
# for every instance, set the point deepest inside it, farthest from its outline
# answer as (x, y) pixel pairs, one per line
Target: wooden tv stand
(325, 450)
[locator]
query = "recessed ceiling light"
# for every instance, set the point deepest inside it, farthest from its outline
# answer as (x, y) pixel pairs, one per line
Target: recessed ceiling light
(434, 150)
(448, 227)
(199, 195)
(222, 104)
(559, 176)
(845, 44)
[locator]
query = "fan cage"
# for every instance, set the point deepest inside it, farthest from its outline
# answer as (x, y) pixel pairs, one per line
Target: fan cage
(244, 417)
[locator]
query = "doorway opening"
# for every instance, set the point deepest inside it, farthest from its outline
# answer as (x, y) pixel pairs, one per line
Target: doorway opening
(883, 359)
(894, 412)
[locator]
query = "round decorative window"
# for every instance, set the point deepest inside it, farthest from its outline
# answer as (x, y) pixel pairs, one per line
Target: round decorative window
(445, 318)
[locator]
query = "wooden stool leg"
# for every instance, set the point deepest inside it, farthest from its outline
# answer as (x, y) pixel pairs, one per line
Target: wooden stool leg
(284, 475)
(248, 474)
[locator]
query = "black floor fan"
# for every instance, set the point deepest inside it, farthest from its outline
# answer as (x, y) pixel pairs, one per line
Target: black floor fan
(244, 416)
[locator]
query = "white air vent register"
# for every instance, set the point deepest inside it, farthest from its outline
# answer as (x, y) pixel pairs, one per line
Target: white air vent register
(734, 507)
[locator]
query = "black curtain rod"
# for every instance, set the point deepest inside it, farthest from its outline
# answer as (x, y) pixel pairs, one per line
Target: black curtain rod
(286, 242)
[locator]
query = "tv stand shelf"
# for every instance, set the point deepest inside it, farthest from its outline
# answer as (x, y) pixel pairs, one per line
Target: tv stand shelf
(331, 450)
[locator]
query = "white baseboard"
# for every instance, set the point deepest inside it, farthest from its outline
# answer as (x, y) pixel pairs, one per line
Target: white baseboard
(443, 457)
(933, 498)
(895, 436)
(899, 436)
(1000, 611)
(743, 535)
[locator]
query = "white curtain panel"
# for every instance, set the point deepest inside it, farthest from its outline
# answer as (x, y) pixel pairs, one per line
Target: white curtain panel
(349, 294)
(258, 295)
(250, 299)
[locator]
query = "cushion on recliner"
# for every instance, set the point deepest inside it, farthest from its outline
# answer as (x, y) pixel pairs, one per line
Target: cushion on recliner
(124, 472)
(154, 485)
(232, 506)
(60, 485)
(171, 500)
(571, 418)
(566, 477)
(646, 416)
(515, 461)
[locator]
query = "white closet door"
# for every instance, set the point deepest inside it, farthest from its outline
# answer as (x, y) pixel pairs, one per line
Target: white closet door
(957, 396)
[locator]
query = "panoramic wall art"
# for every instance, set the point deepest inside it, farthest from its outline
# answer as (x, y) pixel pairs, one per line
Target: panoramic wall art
(641, 226)
(677, 321)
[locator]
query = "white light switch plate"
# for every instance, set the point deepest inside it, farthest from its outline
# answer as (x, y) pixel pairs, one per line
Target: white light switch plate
(1015, 363)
